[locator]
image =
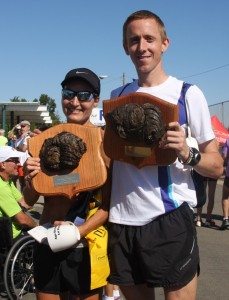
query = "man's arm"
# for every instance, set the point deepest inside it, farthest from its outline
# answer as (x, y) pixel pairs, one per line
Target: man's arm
(211, 163)
(30, 195)
(11, 132)
(23, 204)
(24, 220)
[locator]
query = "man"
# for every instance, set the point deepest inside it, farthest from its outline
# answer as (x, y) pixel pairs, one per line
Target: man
(21, 142)
(22, 145)
(11, 199)
(225, 195)
(68, 272)
(3, 139)
(152, 237)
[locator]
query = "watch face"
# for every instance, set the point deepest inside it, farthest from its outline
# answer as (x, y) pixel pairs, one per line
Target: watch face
(195, 156)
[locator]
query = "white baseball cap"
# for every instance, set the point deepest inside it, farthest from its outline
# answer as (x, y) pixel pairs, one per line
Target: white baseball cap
(25, 122)
(7, 152)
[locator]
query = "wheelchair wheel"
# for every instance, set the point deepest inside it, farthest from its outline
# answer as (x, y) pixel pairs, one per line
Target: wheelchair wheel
(18, 270)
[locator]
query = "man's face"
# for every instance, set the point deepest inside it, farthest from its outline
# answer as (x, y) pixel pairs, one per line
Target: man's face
(75, 110)
(24, 127)
(144, 45)
(11, 166)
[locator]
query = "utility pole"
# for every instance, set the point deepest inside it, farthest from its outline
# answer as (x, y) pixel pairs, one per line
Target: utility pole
(123, 78)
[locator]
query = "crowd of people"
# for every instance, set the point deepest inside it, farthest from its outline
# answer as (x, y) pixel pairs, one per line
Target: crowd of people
(148, 212)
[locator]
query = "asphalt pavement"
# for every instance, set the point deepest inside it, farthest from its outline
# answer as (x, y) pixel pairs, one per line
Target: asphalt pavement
(213, 282)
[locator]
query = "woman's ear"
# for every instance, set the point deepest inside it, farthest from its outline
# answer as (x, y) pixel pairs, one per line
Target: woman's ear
(96, 101)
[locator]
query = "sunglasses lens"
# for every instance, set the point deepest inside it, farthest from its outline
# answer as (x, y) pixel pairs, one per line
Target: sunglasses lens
(84, 96)
(81, 96)
(67, 94)
(14, 160)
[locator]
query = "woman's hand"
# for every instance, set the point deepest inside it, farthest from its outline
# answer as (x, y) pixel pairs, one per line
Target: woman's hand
(31, 167)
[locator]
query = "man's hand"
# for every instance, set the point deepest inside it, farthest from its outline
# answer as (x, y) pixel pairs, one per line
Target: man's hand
(35, 132)
(175, 138)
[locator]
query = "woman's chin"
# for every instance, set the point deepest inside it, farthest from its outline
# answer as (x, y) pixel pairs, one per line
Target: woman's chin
(75, 118)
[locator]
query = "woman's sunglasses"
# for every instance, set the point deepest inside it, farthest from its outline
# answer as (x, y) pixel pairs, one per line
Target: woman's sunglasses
(81, 96)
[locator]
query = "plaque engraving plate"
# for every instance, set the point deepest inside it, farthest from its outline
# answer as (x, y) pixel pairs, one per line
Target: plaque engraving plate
(60, 180)
(134, 151)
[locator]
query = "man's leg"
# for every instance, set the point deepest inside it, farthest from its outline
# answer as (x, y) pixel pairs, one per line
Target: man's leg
(138, 292)
(199, 222)
(187, 292)
(225, 207)
(211, 200)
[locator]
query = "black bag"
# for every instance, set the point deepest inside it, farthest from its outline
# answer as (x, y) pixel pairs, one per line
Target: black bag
(6, 233)
(200, 187)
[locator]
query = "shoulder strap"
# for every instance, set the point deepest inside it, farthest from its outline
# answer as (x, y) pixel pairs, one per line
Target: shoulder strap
(183, 117)
(80, 207)
(124, 87)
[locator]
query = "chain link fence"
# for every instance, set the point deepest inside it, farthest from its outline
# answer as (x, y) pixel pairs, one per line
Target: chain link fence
(221, 110)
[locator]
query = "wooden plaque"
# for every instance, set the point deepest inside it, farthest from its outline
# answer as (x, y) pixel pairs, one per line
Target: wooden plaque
(138, 153)
(90, 173)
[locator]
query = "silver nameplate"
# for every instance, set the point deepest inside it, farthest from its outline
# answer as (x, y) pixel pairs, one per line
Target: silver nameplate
(59, 180)
(137, 151)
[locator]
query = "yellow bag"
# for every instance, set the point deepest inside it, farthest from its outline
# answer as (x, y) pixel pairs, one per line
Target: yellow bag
(97, 242)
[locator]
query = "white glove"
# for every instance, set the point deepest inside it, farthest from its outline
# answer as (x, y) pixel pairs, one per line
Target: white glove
(62, 237)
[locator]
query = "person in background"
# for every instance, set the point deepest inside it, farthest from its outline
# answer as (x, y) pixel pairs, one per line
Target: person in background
(13, 135)
(210, 186)
(210, 189)
(12, 141)
(3, 139)
(67, 273)
(22, 145)
(152, 235)
(111, 292)
(225, 194)
(12, 202)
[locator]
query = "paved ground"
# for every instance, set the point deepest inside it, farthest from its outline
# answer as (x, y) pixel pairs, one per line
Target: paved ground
(214, 254)
(213, 281)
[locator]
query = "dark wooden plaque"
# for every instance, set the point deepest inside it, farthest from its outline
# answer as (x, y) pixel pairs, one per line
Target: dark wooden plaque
(138, 153)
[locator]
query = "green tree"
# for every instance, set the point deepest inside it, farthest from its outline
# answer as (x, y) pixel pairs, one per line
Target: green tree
(51, 106)
(46, 100)
(17, 99)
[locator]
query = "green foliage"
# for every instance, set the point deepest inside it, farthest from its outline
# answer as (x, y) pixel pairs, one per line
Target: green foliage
(44, 99)
(17, 99)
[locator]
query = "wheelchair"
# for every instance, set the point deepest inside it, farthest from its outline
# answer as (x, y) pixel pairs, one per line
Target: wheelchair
(17, 267)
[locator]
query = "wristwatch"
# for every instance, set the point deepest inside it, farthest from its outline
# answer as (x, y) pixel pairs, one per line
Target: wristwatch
(193, 158)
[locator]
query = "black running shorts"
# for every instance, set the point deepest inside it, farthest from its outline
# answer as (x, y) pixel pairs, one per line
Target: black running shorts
(163, 253)
(68, 270)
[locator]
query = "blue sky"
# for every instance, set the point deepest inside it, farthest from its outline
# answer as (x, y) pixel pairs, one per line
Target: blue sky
(41, 40)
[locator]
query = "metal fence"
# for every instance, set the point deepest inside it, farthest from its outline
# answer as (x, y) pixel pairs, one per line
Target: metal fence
(221, 110)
